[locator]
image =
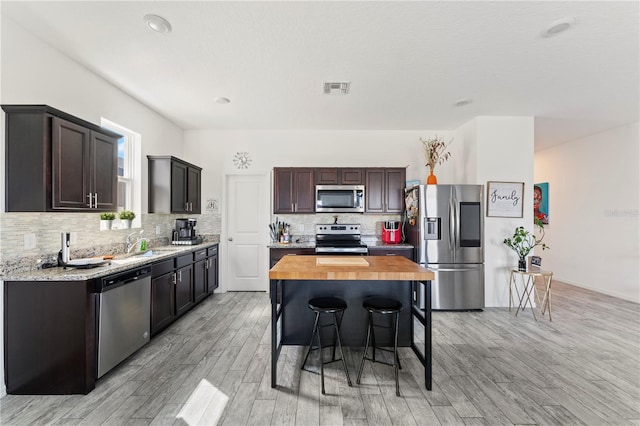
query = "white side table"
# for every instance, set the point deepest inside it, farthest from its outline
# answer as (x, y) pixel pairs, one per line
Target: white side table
(528, 281)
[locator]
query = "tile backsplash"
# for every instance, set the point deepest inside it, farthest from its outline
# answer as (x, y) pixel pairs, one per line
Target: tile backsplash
(87, 239)
(303, 225)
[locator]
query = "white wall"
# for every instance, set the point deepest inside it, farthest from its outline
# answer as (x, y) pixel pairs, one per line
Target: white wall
(34, 73)
(593, 230)
(498, 149)
(214, 150)
(482, 150)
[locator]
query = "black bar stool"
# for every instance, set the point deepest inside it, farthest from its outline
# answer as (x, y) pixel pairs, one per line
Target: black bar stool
(383, 306)
(327, 305)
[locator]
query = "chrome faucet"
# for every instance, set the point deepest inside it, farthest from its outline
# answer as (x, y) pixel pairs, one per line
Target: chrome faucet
(131, 243)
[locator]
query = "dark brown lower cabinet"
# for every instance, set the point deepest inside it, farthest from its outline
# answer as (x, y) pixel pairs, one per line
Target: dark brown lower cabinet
(395, 251)
(49, 337)
(275, 254)
(163, 311)
(199, 280)
(212, 269)
(184, 289)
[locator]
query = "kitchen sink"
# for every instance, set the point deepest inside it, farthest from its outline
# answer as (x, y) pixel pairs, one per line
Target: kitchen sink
(129, 258)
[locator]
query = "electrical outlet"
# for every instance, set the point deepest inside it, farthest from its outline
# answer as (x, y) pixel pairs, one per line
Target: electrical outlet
(158, 230)
(301, 228)
(29, 241)
(73, 240)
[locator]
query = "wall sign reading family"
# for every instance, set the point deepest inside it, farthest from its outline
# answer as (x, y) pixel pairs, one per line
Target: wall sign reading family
(504, 199)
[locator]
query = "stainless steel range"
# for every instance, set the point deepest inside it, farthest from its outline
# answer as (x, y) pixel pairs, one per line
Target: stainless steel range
(339, 239)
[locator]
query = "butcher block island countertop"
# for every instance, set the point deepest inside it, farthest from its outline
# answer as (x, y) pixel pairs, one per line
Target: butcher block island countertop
(349, 268)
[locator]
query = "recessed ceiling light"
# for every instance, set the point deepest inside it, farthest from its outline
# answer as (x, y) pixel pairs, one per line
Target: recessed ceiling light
(157, 23)
(222, 100)
(558, 26)
(462, 102)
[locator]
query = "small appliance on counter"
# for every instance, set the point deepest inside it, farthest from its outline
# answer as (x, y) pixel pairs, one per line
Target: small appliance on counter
(185, 233)
(391, 232)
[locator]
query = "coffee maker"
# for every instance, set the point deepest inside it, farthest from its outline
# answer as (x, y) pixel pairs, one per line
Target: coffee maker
(185, 232)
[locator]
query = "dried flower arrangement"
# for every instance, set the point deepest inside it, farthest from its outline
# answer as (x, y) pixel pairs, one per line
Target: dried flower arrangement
(435, 151)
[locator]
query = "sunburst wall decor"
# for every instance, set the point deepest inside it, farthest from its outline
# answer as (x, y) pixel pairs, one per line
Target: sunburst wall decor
(242, 160)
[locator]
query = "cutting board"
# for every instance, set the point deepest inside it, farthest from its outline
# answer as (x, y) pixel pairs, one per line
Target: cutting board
(341, 261)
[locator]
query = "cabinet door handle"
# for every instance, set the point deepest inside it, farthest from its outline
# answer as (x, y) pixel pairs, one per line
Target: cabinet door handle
(180, 275)
(95, 203)
(90, 197)
(206, 264)
(174, 279)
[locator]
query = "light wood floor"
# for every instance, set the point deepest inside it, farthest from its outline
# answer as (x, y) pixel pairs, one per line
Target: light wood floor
(490, 368)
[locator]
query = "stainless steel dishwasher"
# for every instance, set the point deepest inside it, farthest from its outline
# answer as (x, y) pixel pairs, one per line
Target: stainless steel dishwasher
(124, 319)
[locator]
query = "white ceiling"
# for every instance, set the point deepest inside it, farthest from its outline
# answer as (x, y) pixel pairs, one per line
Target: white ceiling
(408, 62)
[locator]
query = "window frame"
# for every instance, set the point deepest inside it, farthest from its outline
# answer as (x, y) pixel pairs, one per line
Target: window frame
(132, 168)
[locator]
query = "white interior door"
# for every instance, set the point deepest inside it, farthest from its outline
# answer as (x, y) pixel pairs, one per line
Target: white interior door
(247, 236)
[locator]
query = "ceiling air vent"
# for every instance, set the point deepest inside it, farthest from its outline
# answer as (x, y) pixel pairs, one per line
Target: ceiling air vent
(336, 87)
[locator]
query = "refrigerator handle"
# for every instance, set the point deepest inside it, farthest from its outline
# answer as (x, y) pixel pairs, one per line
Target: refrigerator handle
(451, 224)
(456, 220)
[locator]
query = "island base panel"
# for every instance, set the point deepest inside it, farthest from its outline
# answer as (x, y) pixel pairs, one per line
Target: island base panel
(298, 318)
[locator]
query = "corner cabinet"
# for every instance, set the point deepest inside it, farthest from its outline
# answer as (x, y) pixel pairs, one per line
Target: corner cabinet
(384, 190)
(58, 162)
(174, 185)
(294, 190)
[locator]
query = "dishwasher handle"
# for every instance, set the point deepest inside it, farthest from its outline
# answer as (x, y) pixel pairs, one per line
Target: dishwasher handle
(123, 278)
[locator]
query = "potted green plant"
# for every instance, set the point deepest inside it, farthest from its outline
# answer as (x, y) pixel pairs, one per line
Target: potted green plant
(106, 220)
(126, 216)
(523, 241)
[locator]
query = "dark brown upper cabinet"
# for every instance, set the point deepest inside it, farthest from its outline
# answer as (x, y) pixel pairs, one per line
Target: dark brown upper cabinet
(58, 162)
(294, 190)
(384, 190)
(174, 185)
(339, 176)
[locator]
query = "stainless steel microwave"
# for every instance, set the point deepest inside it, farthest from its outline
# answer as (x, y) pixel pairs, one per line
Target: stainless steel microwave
(339, 198)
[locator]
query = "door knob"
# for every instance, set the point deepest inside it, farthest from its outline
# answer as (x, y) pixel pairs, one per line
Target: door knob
(230, 238)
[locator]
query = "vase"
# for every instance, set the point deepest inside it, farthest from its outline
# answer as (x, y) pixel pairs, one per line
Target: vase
(522, 264)
(431, 179)
(105, 225)
(126, 223)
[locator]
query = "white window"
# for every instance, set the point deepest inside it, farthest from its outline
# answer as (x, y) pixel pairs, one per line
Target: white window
(129, 169)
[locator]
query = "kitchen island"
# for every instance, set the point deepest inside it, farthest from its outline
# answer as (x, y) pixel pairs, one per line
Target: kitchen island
(296, 279)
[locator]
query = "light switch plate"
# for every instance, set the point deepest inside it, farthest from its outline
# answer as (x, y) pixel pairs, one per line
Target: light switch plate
(73, 240)
(158, 230)
(29, 241)
(301, 228)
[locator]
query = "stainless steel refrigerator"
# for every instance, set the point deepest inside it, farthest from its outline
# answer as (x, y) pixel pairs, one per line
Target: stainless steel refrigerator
(445, 223)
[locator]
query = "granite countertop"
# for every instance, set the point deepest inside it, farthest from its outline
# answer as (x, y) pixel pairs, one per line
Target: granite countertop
(312, 244)
(118, 264)
(302, 244)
